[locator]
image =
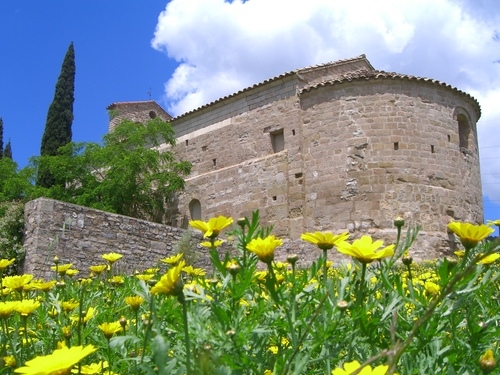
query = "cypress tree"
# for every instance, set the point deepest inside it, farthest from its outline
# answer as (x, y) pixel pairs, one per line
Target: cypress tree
(57, 131)
(7, 152)
(1, 137)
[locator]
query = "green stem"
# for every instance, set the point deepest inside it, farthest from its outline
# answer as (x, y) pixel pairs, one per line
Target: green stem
(361, 289)
(325, 258)
(186, 333)
(148, 327)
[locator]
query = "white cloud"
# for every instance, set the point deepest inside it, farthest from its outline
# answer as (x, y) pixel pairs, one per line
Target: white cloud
(224, 46)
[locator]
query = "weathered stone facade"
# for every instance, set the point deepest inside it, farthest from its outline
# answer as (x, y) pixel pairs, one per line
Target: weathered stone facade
(337, 147)
(80, 235)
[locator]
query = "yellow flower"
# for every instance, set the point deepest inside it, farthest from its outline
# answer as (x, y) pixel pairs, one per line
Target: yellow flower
(111, 257)
(71, 272)
(58, 363)
(109, 329)
(470, 234)
(4, 263)
(459, 253)
(174, 259)
(134, 302)
(7, 308)
(17, 282)
(493, 223)
(170, 283)
(44, 286)
(492, 258)
(88, 315)
(27, 306)
(217, 243)
(93, 368)
(365, 250)
(431, 288)
(70, 305)
(98, 269)
(145, 277)
(213, 226)
(194, 271)
(61, 269)
(350, 367)
(264, 248)
(116, 280)
(10, 361)
(324, 240)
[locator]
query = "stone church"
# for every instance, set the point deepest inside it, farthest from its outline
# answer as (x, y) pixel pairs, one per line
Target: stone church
(332, 147)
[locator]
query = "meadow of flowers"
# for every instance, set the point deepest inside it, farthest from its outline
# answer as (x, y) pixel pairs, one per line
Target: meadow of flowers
(379, 313)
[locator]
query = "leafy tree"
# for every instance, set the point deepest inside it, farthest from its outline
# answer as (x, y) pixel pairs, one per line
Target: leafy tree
(1, 137)
(7, 151)
(57, 131)
(127, 174)
(15, 185)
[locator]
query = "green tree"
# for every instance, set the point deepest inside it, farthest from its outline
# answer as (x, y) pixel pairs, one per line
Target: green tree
(15, 185)
(127, 174)
(7, 151)
(57, 131)
(1, 137)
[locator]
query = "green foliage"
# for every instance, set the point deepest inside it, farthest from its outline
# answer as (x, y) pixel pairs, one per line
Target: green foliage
(11, 234)
(435, 317)
(15, 184)
(57, 131)
(123, 175)
(7, 151)
(186, 246)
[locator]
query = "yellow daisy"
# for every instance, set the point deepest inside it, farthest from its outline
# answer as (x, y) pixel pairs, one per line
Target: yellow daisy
(61, 361)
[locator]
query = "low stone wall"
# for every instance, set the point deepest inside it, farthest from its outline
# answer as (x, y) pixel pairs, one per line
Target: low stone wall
(80, 235)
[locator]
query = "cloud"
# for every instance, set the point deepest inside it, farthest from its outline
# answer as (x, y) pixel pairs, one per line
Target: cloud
(224, 46)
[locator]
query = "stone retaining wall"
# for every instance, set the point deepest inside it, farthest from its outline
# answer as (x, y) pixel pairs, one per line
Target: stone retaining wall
(80, 235)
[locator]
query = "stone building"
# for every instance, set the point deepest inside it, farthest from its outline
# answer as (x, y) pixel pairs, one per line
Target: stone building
(332, 147)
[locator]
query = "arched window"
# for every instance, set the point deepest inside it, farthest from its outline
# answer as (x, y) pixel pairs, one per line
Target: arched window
(463, 131)
(195, 209)
(464, 127)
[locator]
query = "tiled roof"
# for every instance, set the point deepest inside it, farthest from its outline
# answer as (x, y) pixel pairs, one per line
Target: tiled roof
(281, 76)
(365, 75)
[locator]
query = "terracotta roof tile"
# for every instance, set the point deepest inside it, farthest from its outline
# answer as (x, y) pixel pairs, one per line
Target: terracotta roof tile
(361, 75)
(281, 76)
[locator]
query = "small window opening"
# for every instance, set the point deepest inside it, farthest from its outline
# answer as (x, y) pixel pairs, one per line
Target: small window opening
(396, 145)
(463, 130)
(187, 142)
(449, 138)
(274, 197)
(432, 149)
(293, 131)
(298, 175)
(195, 209)
(214, 161)
(278, 140)
(152, 114)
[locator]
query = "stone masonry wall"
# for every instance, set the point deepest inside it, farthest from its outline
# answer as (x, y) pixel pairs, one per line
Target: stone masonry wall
(356, 155)
(80, 235)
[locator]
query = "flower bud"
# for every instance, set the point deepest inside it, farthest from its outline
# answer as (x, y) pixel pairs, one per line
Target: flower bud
(487, 362)
(241, 222)
(399, 222)
(292, 259)
(342, 305)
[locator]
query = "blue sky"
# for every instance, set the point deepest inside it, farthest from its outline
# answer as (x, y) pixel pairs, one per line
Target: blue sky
(190, 52)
